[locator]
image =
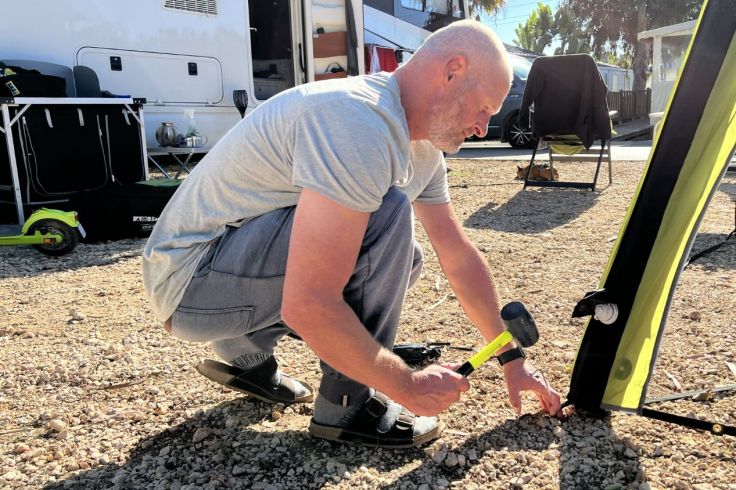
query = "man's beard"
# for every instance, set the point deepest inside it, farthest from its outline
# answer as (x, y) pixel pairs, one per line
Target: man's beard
(445, 124)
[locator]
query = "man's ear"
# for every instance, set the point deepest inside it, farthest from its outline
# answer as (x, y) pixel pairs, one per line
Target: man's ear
(455, 65)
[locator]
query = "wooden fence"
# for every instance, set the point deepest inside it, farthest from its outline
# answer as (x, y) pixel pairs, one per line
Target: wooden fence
(630, 104)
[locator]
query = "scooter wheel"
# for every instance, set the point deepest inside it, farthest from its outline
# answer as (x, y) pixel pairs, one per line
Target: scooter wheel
(69, 237)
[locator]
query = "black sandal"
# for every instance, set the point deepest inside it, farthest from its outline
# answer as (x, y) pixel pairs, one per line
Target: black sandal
(363, 428)
(258, 382)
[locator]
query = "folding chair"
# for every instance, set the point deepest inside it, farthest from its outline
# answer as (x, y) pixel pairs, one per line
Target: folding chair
(565, 101)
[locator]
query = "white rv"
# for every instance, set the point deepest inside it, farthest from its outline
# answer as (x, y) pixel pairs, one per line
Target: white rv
(193, 55)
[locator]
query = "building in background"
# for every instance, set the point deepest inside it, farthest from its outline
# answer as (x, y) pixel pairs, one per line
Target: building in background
(669, 45)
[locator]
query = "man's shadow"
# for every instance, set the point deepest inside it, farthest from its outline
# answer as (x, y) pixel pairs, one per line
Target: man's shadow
(232, 453)
(588, 451)
(533, 211)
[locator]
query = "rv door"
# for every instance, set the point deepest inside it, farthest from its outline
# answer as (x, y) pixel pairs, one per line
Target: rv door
(334, 38)
(300, 41)
(276, 42)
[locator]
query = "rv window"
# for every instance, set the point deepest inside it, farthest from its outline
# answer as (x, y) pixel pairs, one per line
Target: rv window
(435, 6)
(413, 4)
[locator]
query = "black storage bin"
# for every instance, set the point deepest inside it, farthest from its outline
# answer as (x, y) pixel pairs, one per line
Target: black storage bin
(126, 211)
(32, 85)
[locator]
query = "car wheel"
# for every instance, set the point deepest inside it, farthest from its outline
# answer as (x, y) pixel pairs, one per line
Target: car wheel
(519, 137)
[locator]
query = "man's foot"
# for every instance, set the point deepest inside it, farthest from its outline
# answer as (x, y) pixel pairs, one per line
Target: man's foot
(263, 382)
(380, 422)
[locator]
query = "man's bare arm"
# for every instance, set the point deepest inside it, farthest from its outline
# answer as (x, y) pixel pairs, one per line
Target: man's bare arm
(471, 280)
(325, 240)
(467, 271)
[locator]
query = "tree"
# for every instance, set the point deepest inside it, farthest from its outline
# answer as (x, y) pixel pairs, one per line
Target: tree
(571, 36)
(488, 7)
(536, 33)
(613, 24)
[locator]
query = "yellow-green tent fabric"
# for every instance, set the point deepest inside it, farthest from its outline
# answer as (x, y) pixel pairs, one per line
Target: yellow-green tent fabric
(690, 154)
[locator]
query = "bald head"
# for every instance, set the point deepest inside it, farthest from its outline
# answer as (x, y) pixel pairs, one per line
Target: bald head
(483, 50)
(454, 83)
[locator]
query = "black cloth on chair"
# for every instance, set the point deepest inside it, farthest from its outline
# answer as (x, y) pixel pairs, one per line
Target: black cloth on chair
(569, 97)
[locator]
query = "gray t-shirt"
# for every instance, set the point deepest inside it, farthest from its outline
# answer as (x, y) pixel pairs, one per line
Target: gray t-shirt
(346, 139)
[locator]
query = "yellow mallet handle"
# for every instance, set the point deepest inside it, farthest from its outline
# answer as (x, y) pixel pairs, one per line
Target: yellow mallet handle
(486, 353)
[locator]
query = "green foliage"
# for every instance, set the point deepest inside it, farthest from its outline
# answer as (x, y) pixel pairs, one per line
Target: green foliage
(537, 32)
(614, 24)
(573, 39)
(488, 7)
(624, 60)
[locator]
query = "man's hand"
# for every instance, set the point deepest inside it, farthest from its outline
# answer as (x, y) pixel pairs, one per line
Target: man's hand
(432, 390)
(521, 376)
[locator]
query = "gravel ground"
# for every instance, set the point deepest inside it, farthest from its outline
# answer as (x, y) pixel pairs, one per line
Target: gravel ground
(94, 393)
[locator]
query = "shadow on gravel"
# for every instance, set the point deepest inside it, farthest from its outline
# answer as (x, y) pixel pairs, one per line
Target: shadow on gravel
(588, 452)
(234, 455)
(533, 211)
(723, 257)
(27, 262)
(728, 185)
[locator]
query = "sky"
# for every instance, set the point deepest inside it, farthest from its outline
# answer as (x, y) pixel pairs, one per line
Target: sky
(514, 13)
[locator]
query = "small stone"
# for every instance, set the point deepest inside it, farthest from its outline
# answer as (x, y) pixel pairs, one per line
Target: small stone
(21, 448)
(472, 455)
(12, 475)
(658, 450)
(160, 409)
(73, 466)
(164, 451)
(613, 486)
(120, 477)
(520, 481)
(630, 453)
(558, 432)
(451, 460)
(77, 315)
(201, 434)
(57, 425)
(439, 456)
(695, 316)
(239, 470)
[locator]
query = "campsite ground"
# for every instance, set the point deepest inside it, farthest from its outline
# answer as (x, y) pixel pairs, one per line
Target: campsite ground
(94, 393)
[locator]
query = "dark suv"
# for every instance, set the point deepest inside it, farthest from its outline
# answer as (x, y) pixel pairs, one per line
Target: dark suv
(504, 125)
